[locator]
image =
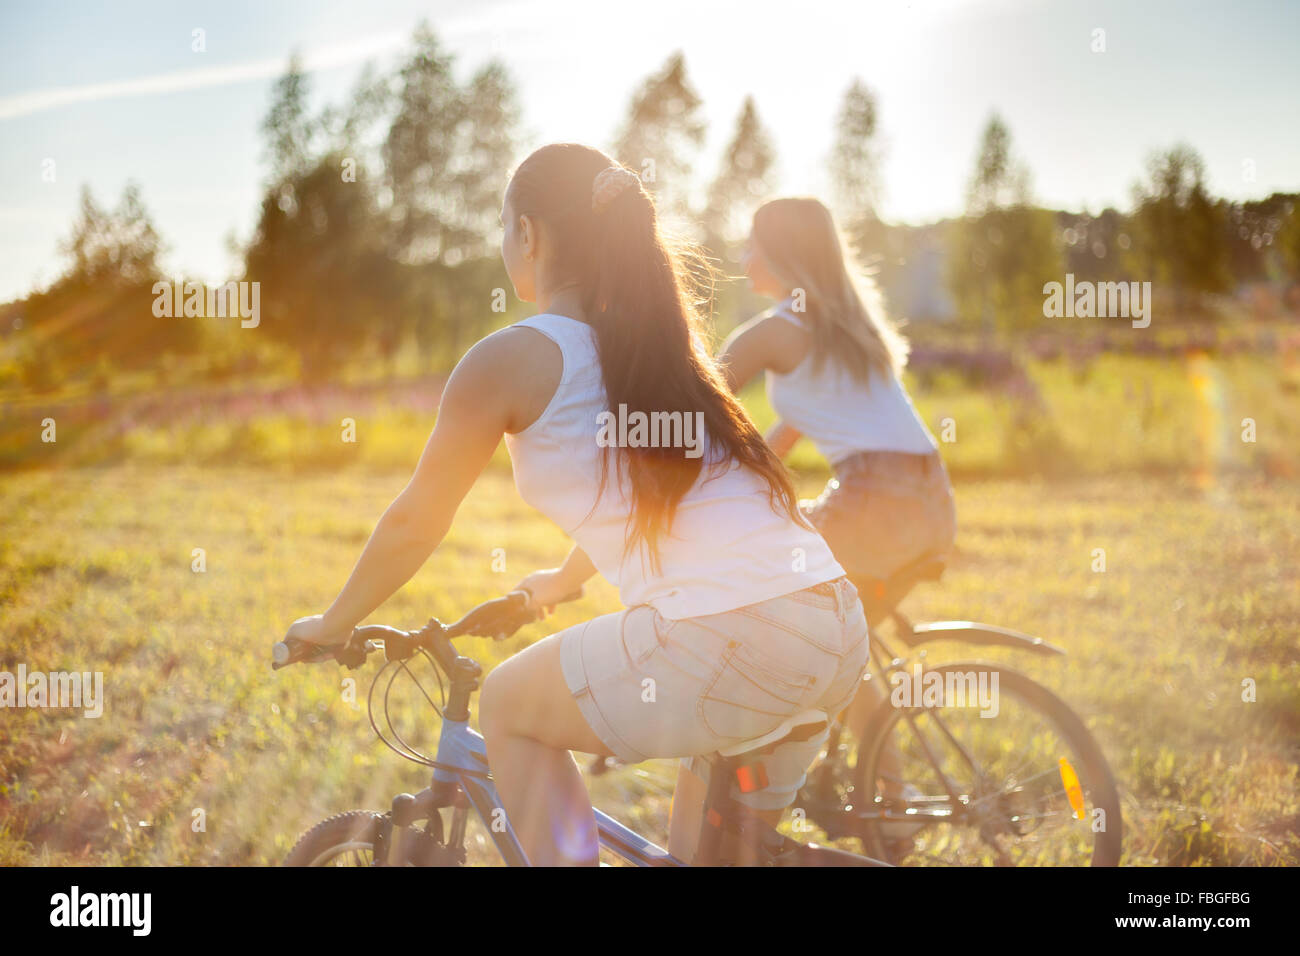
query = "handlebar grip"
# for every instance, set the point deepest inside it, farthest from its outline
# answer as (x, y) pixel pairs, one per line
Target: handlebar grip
(284, 653)
(352, 652)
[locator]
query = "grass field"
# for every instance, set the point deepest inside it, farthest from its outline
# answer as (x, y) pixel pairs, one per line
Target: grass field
(1199, 594)
(1062, 419)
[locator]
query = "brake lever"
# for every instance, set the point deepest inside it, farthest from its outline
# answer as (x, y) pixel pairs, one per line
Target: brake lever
(353, 653)
(500, 618)
(398, 645)
(527, 615)
(511, 621)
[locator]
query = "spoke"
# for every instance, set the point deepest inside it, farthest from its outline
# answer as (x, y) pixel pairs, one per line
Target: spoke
(1013, 786)
(1014, 792)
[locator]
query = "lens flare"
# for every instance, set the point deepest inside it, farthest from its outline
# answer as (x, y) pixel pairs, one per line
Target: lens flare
(1211, 440)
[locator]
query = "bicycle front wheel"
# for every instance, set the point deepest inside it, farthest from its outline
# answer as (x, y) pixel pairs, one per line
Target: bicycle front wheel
(350, 839)
(976, 764)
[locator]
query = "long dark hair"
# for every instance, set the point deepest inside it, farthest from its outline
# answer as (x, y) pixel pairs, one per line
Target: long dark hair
(638, 293)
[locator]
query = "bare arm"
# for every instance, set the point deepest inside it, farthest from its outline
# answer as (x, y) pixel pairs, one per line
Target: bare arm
(577, 568)
(761, 344)
(549, 587)
(782, 438)
(765, 343)
(494, 389)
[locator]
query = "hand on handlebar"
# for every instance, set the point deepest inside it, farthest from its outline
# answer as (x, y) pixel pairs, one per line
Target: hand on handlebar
(546, 589)
(314, 630)
(311, 639)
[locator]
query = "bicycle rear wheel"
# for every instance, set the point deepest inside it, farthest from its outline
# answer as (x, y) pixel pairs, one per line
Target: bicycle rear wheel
(1032, 787)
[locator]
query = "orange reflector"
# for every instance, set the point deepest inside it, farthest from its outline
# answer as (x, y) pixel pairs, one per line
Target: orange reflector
(751, 777)
(1073, 792)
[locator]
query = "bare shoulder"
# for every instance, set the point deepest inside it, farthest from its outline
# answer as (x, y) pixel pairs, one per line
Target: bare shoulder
(515, 370)
(779, 342)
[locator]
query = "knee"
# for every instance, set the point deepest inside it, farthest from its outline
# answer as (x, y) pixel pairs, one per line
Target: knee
(493, 715)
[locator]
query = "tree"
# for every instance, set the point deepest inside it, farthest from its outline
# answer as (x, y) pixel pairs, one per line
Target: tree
(1095, 247)
(1255, 234)
(999, 181)
(661, 134)
(420, 151)
(447, 158)
(369, 103)
(742, 180)
(1288, 238)
(347, 268)
(1181, 239)
(321, 261)
(1004, 249)
(854, 163)
(490, 143)
(288, 128)
(447, 155)
(99, 310)
(317, 249)
(118, 248)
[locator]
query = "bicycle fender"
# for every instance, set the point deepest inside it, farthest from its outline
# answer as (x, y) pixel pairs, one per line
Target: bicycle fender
(987, 635)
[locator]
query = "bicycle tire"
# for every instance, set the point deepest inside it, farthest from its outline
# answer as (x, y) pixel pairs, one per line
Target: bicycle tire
(355, 831)
(1107, 844)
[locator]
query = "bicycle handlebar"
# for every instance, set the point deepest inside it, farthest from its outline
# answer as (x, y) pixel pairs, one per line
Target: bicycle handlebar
(498, 619)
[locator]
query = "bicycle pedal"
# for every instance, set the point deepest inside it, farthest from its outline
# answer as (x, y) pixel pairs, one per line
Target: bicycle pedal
(897, 848)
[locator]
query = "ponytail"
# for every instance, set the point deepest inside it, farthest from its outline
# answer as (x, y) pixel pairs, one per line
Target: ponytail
(641, 294)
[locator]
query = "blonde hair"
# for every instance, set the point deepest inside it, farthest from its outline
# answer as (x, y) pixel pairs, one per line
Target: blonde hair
(844, 309)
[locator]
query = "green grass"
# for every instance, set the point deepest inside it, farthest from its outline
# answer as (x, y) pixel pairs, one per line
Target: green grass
(1141, 457)
(1112, 413)
(1200, 594)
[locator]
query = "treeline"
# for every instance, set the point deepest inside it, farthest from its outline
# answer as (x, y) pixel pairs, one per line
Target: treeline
(1189, 245)
(378, 224)
(95, 319)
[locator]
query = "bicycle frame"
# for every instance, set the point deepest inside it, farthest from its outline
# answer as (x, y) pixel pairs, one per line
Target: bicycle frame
(462, 781)
(461, 747)
(955, 807)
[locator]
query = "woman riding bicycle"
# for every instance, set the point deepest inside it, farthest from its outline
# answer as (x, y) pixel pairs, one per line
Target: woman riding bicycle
(833, 363)
(738, 615)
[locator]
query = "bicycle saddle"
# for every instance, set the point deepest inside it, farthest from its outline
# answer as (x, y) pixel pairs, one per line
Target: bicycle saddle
(798, 727)
(881, 595)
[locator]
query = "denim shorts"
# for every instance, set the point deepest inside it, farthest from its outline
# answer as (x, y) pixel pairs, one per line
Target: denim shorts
(883, 510)
(651, 687)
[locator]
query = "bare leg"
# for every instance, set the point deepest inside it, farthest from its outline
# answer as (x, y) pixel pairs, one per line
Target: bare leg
(857, 718)
(688, 817)
(530, 722)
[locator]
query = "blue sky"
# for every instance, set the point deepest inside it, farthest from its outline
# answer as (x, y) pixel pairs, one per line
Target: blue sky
(113, 92)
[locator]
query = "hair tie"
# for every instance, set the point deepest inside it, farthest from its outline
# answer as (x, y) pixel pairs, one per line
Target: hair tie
(609, 184)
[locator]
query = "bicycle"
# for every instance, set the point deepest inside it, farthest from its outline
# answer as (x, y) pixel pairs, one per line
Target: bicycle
(976, 803)
(411, 832)
(983, 791)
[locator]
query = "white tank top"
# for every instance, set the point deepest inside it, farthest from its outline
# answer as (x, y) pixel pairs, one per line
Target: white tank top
(842, 415)
(726, 547)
